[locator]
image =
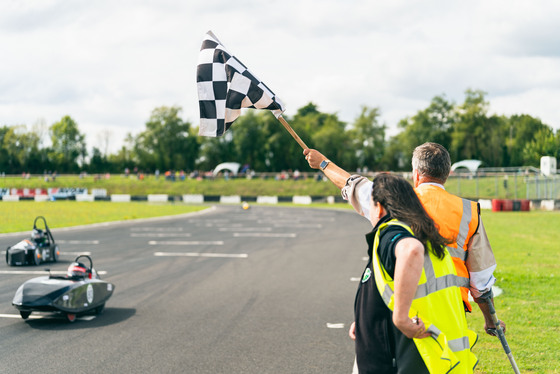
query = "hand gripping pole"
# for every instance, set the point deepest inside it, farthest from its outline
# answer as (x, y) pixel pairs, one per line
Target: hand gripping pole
(501, 335)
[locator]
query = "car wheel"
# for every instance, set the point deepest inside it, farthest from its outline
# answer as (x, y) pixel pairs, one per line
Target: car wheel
(7, 257)
(37, 257)
(100, 309)
(24, 315)
(71, 317)
(55, 253)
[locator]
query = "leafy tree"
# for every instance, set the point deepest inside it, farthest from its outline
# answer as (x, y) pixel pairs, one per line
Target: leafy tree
(520, 131)
(432, 124)
(166, 144)
(323, 131)
(124, 158)
(68, 144)
(474, 132)
(98, 162)
(544, 143)
(250, 139)
(21, 150)
(214, 151)
(368, 138)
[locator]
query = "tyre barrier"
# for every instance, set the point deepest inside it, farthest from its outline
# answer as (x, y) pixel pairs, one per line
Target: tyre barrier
(507, 205)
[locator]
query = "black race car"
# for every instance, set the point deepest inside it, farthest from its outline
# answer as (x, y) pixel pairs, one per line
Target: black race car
(80, 291)
(41, 247)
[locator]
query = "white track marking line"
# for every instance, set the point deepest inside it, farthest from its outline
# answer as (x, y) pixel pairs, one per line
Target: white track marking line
(45, 316)
(245, 228)
(77, 241)
(160, 235)
(41, 272)
(76, 253)
(155, 242)
(159, 229)
(335, 325)
(18, 316)
(263, 235)
(299, 225)
(354, 279)
(195, 254)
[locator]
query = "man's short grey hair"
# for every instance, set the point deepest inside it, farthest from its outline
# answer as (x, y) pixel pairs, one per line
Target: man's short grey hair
(432, 160)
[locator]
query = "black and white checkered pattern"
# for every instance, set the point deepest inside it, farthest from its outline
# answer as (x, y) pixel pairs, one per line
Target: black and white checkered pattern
(225, 86)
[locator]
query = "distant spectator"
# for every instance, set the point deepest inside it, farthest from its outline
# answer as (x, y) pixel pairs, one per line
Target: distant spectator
(157, 173)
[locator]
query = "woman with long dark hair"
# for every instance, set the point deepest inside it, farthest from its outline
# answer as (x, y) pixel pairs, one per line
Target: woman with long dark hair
(409, 315)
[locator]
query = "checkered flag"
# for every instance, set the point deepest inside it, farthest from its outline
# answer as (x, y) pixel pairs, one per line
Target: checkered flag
(225, 86)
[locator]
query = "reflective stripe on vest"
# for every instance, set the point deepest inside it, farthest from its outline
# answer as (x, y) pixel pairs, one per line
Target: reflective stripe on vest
(437, 302)
(463, 233)
(432, 284)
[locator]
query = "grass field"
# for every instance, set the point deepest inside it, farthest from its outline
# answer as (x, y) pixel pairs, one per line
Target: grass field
(527, 252)
(525, 245)
(19, 216)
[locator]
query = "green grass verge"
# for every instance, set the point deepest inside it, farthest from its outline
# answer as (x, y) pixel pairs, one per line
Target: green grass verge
(19, 216)
(525, 245)
(526, 248)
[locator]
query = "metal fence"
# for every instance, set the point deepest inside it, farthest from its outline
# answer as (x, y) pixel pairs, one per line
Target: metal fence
(505, 185)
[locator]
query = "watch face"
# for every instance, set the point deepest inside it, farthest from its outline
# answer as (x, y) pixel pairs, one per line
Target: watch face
(324, 164)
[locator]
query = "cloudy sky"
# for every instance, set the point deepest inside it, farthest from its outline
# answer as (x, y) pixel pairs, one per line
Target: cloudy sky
(108, 64)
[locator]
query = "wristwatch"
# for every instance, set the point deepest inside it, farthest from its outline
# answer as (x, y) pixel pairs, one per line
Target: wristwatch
(324, 164)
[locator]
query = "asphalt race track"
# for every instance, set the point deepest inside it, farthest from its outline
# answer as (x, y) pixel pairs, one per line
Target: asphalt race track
(263, 290)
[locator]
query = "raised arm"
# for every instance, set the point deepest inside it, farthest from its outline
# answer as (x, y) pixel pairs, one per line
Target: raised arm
(354, 188)
(336, 175)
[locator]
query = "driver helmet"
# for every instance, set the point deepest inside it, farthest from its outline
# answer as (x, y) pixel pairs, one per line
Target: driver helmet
(77, 269)
(37, 235)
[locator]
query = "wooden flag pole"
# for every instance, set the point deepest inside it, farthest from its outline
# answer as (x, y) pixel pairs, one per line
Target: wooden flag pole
(292, 132)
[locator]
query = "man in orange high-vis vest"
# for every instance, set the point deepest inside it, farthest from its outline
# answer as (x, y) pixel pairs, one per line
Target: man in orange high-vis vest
(457, 219)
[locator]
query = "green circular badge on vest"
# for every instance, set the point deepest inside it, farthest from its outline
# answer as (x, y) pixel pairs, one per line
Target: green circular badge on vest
(367, 275)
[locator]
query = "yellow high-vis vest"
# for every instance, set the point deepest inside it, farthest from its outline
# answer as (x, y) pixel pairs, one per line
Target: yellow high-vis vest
(456, 219)
(439, 304)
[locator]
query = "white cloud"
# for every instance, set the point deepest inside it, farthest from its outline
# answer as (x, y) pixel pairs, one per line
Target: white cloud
(109, 64)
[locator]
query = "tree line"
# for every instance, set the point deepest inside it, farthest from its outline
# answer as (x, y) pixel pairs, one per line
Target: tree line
(259, 140)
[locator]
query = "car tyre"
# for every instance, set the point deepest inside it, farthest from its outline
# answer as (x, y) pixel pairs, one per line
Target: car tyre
(100, 309)
(24, 315)
(36, 257)
(55, 253)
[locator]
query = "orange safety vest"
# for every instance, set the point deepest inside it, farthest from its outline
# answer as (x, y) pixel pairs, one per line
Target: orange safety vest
(457, 219)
